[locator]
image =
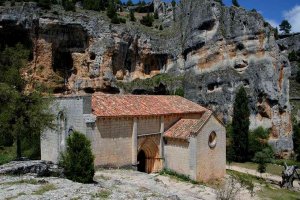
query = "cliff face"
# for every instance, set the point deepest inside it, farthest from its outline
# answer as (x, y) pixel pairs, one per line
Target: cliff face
(216, 49)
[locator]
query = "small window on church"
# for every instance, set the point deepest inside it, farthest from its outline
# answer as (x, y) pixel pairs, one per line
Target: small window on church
(212, 140)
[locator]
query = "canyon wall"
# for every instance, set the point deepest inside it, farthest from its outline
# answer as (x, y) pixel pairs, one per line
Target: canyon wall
(215, 49)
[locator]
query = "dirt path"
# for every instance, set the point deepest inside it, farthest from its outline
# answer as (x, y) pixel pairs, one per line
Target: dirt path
(266, 176)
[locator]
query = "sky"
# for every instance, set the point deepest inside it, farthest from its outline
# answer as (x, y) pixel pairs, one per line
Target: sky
(274, 11)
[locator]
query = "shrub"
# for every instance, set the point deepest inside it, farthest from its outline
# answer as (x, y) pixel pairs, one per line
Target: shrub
(147, 20)
(45, 4)
(293, 56)
(78, 160)
(122, 20)
(68, 5)
(229, 190)
(115, 20)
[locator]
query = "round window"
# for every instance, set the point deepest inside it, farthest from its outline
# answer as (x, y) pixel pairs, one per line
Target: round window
(212, 140)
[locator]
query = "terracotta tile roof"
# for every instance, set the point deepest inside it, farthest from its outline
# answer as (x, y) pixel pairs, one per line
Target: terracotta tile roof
(141, 105)
(185, 128)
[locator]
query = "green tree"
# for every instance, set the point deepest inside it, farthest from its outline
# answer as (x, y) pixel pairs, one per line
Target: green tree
(296, 140)
(173, 2)
(111, 10)
(235, 3)
(131, 16)
(276, 34)
(258, 140)
(293, 56)
(285, 26)
(262, 158)
(26, 114)
(129, 3)
(230, 155)
(78, 160)
(156, 15)
(147, 20)
(298, 76)
(240, 126)
(69, 5)
(45, 4)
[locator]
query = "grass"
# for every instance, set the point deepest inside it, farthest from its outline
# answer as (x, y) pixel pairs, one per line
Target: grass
(103, 194)
(23, 181)
(278, 194)
(7, 154)
(271, 168)
(45, 188)
(267, 191)
(102, 177)
(177, 176)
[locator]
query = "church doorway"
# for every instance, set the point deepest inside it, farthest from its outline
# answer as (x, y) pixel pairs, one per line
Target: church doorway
(141, 158)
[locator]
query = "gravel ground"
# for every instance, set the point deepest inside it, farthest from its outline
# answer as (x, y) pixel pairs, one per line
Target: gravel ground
(109, 184)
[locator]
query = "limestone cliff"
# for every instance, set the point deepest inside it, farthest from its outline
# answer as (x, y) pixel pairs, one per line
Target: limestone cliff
(216, 49)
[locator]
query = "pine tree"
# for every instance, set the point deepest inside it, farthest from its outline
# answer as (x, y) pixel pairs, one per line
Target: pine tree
(235, 3)
(111, 10)
(131, 16)
(156, 15)
(240, 126)
(129, 3)
(276, 35)
(285, 26)
(78, 160)
(173, 2)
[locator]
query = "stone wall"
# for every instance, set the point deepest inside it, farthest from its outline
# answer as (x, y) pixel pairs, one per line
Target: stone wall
(69, 112)
(211, 162)
(177, 156)
(148, 125)
(111, 142)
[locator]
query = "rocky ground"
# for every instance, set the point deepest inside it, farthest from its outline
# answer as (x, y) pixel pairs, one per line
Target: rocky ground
(109, 184)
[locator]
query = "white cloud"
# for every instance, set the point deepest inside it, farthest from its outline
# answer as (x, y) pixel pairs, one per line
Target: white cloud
(293, 16)
(273, 23)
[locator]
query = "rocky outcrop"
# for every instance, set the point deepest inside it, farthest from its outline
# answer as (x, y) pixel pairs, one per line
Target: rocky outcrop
(38, 167)
(216, 49)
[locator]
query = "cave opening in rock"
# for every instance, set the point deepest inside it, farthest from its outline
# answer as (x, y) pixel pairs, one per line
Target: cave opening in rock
(207, 25)
(63, 63)
(12, 34)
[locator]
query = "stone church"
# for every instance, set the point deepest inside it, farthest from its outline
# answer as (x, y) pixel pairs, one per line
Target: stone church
(148, 133)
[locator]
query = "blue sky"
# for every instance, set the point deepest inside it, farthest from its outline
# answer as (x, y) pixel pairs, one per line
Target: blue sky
(274, 11)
